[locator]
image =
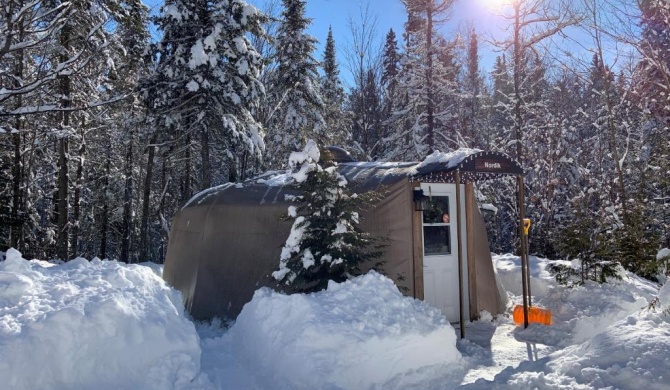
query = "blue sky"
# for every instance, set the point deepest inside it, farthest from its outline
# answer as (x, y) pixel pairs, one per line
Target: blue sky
(483, 14)
(391, 14)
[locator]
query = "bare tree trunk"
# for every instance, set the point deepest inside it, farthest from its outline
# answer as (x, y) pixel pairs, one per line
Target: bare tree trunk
(186, 190)
(16, 225)
(62, 207)
(430, 115)
(104, 218)
(232, 173)
(144, 222)
(127, 200)
(206, 167)
(76, 206)
(248, 165)
(164, 231)
(518, 119)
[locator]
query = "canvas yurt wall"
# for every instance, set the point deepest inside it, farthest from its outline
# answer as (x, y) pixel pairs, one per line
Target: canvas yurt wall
(225, 243)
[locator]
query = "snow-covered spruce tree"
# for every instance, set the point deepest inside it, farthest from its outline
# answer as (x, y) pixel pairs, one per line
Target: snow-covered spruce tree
(206, 82)
(201, 97)
(622, 160)
(337, 121)
(424, 120)
(293, 90)
(652, 85)
(325, 242)
(389, 87)
(502, 226)
(96, 196)
(405, 142)
(473, 128)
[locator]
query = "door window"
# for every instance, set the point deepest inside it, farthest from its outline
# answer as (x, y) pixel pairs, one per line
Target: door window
(436, 240)
(436, 226)
(436, 210)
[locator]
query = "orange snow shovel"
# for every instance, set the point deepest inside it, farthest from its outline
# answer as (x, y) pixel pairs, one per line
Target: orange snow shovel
(523, 314)
(535, 314)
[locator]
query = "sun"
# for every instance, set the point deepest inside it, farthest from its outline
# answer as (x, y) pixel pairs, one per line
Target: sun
(495, 5)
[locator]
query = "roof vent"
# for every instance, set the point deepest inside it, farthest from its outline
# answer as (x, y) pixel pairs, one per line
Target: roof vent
(338, 155)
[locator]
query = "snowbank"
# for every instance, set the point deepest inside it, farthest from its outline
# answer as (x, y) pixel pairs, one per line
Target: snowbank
(663, 256)
(610, 338)
(509, 272)
(354, 335)
(108, 325)
(579, 313)
(664, 296)
(92, 325)
(633, 353)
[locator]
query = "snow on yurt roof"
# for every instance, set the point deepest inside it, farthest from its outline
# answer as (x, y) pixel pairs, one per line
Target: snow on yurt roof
(473, 164)
(271, 187)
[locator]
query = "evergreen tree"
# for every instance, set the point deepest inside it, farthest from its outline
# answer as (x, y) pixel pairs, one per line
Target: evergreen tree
(325, 242)
(64, 54)
(654, 67)
(652, 88)
(336, 119)
(422, 121)
(448, 135)
(502, 225)
(473, 131)
(390, 69)
(201, 96)
(584, 240)
(500, 99)
(366, 108)
(613, 132)
(426, 79)
(294, 88)
(206, 83)
(390, 91)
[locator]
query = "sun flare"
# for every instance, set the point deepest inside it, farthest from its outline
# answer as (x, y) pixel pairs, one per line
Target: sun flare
(495, 4)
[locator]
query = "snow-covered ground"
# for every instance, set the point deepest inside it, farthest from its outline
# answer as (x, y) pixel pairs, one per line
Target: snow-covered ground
(108, 325)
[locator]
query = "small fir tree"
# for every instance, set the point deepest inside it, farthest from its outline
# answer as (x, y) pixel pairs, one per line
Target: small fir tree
(583, 239)
(325, 242)
(636, 242)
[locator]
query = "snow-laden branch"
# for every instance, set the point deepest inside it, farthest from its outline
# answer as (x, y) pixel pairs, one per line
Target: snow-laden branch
(56, 108)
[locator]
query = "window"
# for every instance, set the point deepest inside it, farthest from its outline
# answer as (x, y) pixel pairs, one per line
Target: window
(436, 226)
(435, 210)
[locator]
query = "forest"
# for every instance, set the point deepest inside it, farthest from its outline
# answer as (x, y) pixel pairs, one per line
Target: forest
(112, 117)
